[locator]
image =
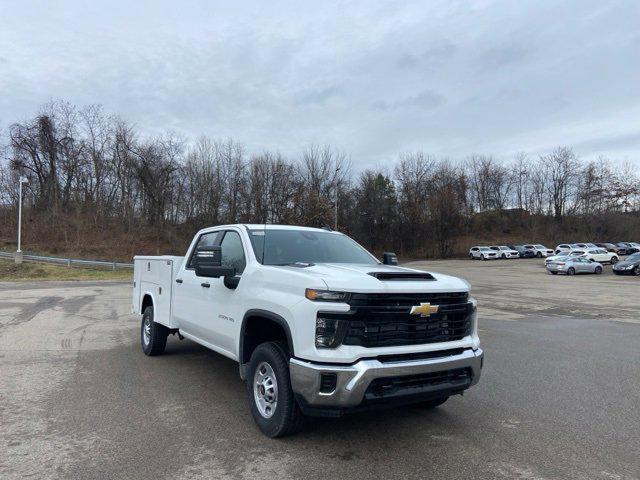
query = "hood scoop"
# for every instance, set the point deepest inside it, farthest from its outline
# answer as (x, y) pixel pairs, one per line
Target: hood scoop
(402, 276)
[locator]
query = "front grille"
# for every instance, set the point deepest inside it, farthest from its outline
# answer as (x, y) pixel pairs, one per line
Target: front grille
(383, 320)
(419, 383)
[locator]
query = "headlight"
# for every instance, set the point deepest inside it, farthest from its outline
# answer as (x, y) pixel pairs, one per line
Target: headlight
(330, 332)
(325, 295)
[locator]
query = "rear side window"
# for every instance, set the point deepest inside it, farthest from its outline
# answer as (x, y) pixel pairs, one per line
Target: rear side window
(206, 240)
(232, 252)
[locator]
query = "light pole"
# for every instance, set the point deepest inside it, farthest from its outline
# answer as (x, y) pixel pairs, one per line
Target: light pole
(335, 226)
(18, 258)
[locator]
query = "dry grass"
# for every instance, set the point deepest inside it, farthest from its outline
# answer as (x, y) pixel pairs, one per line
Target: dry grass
(9, 271)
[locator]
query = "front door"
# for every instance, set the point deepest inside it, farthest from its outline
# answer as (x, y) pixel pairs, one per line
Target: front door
(223, 300)
(190, 298)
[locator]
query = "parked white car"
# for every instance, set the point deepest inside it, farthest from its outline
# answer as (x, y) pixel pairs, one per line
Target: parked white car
(505, 252)
(540, 250)
(482, 253)
(600, 255)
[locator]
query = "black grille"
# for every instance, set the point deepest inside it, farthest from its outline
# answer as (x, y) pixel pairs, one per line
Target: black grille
(409, 384)
(383, 320)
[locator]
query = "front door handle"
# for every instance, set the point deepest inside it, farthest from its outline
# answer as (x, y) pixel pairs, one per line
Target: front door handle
(205, 285)
(178, 280)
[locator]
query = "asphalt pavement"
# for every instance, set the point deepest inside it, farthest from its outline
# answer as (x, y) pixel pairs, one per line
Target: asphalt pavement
(559, 398)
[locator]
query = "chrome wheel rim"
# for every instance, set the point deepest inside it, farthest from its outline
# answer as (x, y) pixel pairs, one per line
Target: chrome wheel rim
(265, 390)
(146, 330)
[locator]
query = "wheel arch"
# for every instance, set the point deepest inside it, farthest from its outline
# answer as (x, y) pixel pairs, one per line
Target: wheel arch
(147, 301)
(276, 327)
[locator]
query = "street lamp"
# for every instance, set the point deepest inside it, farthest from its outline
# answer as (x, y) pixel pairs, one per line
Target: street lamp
(335, 226)
(23, 180)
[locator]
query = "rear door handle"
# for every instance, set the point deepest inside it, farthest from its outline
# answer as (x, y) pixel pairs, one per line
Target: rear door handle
(178, 280)
(205, 285)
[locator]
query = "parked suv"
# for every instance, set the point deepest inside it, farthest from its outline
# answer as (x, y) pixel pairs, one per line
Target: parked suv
(482, 253)
(505, 252)
(540, 250)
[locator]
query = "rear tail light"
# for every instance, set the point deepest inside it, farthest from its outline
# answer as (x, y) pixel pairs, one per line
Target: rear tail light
(561, 263)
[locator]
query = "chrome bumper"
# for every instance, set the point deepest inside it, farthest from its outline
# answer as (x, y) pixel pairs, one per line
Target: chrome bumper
(353, 380)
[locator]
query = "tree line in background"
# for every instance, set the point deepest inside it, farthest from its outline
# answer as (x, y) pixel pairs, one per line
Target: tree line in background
(97, 185)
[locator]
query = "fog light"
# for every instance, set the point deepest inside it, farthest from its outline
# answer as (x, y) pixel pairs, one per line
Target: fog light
(328, 382)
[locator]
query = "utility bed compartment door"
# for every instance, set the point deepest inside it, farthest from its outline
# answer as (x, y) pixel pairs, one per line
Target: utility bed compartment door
(156, 279)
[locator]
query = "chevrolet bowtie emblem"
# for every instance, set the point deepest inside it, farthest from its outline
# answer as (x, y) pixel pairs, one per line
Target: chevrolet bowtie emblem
(424, 309)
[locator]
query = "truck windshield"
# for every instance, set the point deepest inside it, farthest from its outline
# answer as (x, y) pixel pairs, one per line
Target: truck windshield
(286, 247)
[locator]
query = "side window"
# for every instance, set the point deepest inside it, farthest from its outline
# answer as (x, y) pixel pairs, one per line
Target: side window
(232, 252)
(205, 240)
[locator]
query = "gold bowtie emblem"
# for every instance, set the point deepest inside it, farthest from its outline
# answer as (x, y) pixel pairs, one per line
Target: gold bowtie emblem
(424, 309)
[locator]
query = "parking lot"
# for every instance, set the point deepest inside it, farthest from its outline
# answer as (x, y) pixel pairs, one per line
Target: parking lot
(559, 395)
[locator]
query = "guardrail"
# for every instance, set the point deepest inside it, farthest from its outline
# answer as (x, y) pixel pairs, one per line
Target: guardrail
(70, 261)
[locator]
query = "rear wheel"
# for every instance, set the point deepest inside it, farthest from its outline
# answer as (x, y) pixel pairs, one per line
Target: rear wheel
(273, 405)
(539, 254)
(554, 273)
(153, 336)
(598, 270)
(636, 270)
(504, 256)
(484, 257)
(614, 260)
(571, 271)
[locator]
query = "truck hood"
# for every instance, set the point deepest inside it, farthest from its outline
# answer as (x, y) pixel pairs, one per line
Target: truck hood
(380, 279)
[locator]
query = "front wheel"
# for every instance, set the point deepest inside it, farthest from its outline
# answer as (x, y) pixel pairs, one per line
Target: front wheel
(273, 405)
(636, 270)
(539, 255)
(598, 270)
(571, 271)
(614, 260)
(153, 336)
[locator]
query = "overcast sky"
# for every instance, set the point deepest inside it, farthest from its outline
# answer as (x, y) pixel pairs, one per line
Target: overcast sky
(371, 78)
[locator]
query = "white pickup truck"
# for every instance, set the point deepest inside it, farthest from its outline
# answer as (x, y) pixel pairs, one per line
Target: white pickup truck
(317, 324)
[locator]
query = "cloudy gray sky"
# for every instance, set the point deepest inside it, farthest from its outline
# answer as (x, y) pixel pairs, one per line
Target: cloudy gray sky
(371, 78)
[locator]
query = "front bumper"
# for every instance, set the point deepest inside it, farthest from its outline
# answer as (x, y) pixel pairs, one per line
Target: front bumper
(352, 381)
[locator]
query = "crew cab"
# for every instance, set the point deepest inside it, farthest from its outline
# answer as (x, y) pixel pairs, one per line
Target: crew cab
(318, 325)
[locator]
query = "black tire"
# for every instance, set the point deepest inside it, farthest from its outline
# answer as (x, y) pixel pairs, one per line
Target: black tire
(636, 271)
(471, 256)
(483, 257)
(286, 418)
(539, 254)
(598, 270)
(157, 334)
(571, 271)
(614, 260)
(553, 273)
(436, 402)
(504, 256)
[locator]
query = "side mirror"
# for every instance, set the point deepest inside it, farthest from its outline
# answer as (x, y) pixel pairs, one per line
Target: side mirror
(208, 263)
(389, 258)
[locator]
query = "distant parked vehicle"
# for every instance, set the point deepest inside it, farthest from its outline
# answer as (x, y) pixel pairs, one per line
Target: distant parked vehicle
(540, 250)
(572, 265)
(600, 255)
(482, 253)
(628, 266)
(612, 247)
(505, 252)
(524, 252)
(629, 247)
(564, 248)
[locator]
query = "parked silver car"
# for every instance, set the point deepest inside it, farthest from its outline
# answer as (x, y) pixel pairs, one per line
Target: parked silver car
(571, 265)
